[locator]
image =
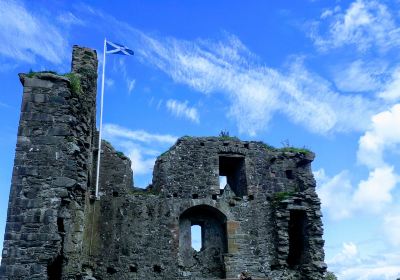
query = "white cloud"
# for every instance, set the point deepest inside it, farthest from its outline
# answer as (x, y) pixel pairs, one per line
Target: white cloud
(383, 134)
(364, 24)
(25, 35)
(382, 267)
(391, 91)
(113, 130)
(391, 226)
(376, 190)
(359, 76)
(181, 109)
(140, 165)
(335, 194)
(340, 199)
(349, 253)
(350, 264)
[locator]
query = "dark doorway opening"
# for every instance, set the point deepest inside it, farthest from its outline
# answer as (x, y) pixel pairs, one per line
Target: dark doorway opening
(54, 268)
(233, 167)
(298, 239)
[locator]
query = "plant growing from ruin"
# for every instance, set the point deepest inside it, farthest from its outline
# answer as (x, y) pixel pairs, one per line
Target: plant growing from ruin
(120, 154)
(32, 73)
(289, 148)
(75, 82)
(330, 276)
(280, 196)
(224, 135)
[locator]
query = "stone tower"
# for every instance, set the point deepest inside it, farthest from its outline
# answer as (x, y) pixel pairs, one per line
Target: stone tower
(266, 220)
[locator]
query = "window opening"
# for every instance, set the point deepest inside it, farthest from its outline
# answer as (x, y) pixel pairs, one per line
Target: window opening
(233, 168)
(157, 268)
(196, 237)
(222, 182)
(289, 174)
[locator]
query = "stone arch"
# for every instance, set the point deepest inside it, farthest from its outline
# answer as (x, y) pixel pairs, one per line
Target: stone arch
(209, 260)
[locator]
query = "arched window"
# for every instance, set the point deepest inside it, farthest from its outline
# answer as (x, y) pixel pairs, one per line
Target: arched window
(203, 240)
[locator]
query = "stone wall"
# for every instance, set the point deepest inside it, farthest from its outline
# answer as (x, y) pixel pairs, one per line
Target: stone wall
(43, 237)
(146, 233)
(266, 220)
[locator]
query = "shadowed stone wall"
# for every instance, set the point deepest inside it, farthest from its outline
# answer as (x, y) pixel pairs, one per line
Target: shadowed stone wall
(53, 156)
(266, 220)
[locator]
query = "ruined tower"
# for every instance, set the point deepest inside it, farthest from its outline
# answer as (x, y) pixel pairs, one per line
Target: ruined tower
(266, 220)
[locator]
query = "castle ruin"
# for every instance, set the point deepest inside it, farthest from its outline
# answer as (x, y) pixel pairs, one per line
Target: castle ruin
(266, 221)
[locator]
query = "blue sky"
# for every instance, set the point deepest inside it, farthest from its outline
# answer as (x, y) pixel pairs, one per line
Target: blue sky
(319, 74)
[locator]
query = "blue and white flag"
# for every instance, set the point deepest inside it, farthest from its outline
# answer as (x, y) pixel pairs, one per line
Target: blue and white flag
(115, 48)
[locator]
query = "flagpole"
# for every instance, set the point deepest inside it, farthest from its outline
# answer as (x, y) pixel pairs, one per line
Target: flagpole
(101, 120)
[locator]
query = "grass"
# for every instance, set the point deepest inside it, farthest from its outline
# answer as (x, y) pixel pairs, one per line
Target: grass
(224, 135)
(303, 151)
(289, 148)
(164, 153)
(280, 196)
(32, 73)
(75, 82)
(73, 78)
(268, 147)
(120, 154)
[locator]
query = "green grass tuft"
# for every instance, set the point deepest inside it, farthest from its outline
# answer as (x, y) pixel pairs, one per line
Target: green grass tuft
(120, 154)
(303, 151)
(75, 82)
(280, 196)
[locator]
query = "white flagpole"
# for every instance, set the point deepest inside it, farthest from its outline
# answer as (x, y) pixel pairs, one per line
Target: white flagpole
(101, 120)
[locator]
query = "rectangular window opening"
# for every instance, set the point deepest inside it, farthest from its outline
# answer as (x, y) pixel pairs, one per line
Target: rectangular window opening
(233, 168)
(222, 182)
(297, 237)
(196, 237)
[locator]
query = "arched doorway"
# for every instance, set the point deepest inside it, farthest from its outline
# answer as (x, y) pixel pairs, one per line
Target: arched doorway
(207, 261)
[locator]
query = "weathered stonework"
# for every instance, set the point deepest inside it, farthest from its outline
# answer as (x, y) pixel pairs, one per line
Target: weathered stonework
(266, 220)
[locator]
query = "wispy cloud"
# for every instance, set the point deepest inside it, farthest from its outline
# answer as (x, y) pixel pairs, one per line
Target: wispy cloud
(256, 93)
(391, 90)
(140, 146)
(130, 84)
(360, 76)
(181, 109)
(113, 130)
(4, 105)
(25, 35)
(365, 24)
(69, 18)
(109, 82)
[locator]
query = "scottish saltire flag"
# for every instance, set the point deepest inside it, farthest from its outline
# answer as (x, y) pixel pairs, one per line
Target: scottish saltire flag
(118, 49)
